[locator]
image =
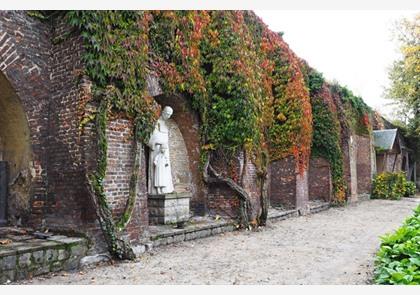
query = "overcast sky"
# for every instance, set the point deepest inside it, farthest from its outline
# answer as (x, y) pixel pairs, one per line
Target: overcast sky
(353, 47)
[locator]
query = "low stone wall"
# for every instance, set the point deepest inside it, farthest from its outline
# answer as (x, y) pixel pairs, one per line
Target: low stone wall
(23, 260)
(192, 233)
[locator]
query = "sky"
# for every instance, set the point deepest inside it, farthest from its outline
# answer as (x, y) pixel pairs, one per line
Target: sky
(353, 47)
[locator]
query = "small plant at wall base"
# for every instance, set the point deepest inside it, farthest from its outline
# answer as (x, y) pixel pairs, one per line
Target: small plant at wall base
(392, 185)
(398, 259)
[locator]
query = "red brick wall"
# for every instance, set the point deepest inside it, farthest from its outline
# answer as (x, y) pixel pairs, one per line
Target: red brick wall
(251, 185)
(320, 183)
(282, 191)
(118, 175)
(224, 201)
(68, 205)
(24, 60)
(287, 187)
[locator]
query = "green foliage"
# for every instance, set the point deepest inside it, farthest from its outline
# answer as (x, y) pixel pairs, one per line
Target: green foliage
(326, 130)
(392, 185)
(96, 181)
(315, 82)
(37, 14)
(405, 80)
(398, 259)
(326, 143)
(288, 112)
(212, 69)
(356, 111)
(116, 59)
(232, 112)
(410, 189)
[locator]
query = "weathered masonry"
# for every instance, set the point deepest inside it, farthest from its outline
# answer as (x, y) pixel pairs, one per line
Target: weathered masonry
(49, 144)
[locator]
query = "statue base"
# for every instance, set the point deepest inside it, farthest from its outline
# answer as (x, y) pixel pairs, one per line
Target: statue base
(169, 208)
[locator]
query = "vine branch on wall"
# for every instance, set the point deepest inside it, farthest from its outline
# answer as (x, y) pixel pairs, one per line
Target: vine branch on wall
(117, 247)
(243, 195)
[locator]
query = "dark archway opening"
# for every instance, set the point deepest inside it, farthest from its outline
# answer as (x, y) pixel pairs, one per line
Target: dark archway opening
(15, 155)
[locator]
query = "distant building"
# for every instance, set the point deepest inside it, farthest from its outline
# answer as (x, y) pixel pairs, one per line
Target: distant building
(392, 151)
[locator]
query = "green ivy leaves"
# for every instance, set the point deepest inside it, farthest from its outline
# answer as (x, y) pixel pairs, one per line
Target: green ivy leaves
(398, 259)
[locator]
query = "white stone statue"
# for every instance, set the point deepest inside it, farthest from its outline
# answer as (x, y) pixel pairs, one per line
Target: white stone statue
(160, 175)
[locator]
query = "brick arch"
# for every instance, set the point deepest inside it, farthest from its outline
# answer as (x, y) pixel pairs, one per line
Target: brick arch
(188, 123)
(24, 58)
(15, 151)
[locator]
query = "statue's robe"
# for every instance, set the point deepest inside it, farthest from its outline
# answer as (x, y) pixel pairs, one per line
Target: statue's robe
(160, 136)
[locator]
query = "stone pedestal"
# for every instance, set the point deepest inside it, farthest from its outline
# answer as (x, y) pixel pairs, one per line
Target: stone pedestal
(169, 208)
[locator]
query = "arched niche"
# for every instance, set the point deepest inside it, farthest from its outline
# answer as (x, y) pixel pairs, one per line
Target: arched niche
(185, 124)
(178, 154)
(15, 149)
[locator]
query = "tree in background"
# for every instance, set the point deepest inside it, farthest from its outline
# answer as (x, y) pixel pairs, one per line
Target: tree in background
(405, 79)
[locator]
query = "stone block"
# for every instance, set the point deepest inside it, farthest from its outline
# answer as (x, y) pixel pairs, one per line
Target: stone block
(228, 228)
(95, 259)
(139, 250)
(51, 255)
(38, 257)
(216, 231)
(149, 246)
(63, 254)
(157, 243)
(71, 263)
(7, 275)
(205, 233)
(22, 274)
(78, 250)
(56, 266)
(169, 208)
(163, 241)
(24, 260)
(191, 236)
(179, 238)
(7, 263)
(39, 270)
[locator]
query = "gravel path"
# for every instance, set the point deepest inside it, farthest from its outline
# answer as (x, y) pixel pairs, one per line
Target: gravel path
(336, 246)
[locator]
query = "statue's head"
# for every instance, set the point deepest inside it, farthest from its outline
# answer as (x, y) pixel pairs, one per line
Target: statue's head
(163, 148)
(167, 112)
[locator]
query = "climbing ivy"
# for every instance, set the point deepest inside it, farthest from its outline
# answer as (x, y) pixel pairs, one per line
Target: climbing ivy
(248, 88)
(241, 78)
(115, 58)
(326, 133)
(117, 247)
(356, 111)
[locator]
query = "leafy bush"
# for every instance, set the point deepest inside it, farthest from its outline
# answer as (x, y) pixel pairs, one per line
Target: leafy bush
(393, 186)
(410, 189)
(398, 259)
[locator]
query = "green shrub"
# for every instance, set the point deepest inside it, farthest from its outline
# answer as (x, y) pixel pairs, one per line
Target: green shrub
(410, 189)
(398, 259)
(392, 186)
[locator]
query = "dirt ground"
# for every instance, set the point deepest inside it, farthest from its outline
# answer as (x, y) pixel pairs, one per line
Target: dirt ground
(336, 246)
